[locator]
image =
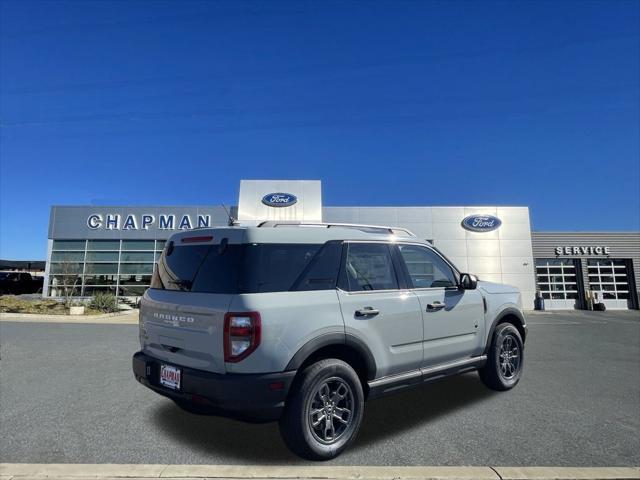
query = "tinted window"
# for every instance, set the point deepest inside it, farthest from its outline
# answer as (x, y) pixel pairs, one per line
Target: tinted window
(426, 268)
(251, 268)
(369, 267)
(322, 272)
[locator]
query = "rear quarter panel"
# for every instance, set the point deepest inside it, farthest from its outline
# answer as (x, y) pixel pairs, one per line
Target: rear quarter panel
(289, 321)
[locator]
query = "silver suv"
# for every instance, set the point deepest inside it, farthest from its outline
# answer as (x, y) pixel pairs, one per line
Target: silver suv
(304, 323)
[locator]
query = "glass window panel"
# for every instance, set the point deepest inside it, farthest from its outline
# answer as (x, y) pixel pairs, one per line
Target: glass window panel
(100, 279)
(572, 295)
(607, 271)
(66, 268)
(67, 256)
(609, 295)
(555, 271)
(101, 268)
(135, 279)
(557, 279)
(557, 296)
(545, 288)
(103, 245)
(138, 245)
(608, 287)
(543, 278)
(137, 257)
(129, 291)
(619, 263)
(102, 256)
(623, 295)
(89, 291)
(546, 295)
(570, 279)
(136, 268)
(594, 278)
(68, 244)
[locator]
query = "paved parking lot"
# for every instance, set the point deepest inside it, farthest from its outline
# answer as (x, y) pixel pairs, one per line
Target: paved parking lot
(67, 395)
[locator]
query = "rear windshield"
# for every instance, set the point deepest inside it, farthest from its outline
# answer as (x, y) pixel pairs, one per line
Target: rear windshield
(231, 269)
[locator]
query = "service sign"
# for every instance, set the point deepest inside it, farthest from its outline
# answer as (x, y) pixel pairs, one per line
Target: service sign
(279, 199)
(481, 223)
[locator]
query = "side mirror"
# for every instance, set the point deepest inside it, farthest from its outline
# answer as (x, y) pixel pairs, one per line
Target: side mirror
(468, 281)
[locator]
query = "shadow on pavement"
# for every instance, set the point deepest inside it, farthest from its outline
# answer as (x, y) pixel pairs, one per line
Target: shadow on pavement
(261, 443)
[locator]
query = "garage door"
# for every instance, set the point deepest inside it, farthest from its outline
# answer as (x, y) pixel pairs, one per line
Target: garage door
(610, 279)
(557, 282)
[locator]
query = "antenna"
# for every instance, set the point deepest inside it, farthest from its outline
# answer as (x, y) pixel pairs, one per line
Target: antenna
(232, 221)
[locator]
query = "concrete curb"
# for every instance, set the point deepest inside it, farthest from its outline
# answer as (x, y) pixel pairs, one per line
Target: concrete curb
(23, 471)
(129, 317)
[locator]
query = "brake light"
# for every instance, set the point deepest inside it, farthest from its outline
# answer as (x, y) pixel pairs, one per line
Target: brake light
(196, 239)
(241, 335)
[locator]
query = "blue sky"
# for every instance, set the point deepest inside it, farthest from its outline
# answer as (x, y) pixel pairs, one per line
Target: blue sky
(388, 103)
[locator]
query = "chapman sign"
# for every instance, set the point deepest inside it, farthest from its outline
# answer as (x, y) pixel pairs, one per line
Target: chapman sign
(147, 221)
(583, 250)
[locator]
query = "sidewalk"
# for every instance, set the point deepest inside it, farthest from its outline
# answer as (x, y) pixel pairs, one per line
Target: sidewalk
(129, 317)
(9, 471)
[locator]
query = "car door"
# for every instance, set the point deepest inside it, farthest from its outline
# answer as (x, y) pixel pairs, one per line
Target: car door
(377, 311)
(453, 318)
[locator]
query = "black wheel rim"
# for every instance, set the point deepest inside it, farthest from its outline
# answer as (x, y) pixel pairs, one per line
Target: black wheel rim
(510, 357)
(331, 410)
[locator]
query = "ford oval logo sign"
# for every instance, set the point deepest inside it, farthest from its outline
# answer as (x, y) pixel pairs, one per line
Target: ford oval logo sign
(279, 199)
(481, 223)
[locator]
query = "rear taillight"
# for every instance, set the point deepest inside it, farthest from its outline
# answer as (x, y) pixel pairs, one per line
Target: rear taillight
(241, 335)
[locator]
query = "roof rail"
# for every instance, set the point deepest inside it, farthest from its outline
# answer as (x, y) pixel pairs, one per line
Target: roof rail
(403, 232)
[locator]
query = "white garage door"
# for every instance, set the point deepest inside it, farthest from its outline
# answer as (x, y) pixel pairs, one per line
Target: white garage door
(609, 278)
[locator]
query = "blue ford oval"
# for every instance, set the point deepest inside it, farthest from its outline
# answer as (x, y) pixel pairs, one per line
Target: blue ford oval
(481, 223)
(279, 199)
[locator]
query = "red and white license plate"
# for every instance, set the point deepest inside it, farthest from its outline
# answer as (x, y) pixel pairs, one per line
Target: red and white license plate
(170, 377)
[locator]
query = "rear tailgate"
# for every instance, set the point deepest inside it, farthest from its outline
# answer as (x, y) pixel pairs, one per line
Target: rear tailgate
(182, 314)
(184, 328)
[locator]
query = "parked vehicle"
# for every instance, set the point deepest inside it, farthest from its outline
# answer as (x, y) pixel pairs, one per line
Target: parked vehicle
(304, 323)
(18, 283)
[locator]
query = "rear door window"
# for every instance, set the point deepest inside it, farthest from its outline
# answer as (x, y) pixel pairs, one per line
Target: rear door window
(368, 266)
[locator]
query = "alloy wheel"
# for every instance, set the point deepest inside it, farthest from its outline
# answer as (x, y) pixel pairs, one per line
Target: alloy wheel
(509, 357)
(331, 410)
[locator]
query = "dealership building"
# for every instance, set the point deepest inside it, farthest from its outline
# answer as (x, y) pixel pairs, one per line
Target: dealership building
(114, 249)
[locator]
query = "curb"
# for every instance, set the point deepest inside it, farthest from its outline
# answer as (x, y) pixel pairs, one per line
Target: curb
(24, 471)
(127, 317)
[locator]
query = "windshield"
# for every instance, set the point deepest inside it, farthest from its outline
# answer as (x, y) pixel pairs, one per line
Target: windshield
(229, 269)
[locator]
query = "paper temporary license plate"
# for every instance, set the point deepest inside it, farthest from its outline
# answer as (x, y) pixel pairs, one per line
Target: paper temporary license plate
(170, 377)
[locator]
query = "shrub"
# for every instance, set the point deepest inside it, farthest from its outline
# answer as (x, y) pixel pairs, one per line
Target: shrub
(104, 302)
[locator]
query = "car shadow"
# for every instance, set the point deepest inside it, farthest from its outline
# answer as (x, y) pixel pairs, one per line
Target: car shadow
(261, 443)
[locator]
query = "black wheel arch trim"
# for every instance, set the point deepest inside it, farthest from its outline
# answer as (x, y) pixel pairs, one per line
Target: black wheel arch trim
(330, 339)
(509, 311)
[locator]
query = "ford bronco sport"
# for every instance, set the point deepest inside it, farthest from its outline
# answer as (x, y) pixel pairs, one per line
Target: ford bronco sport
(304, 323)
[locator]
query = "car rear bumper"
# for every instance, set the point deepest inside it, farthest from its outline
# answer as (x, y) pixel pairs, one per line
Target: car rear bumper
(249, 397)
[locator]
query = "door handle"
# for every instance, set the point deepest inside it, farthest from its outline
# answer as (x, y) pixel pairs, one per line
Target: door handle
(367, 312)
(435, 305)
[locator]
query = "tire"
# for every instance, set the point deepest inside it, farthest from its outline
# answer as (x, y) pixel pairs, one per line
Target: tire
(328, 386)
(503, 372)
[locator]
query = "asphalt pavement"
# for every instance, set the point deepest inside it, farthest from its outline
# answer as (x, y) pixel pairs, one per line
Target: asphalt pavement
(67, 395)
